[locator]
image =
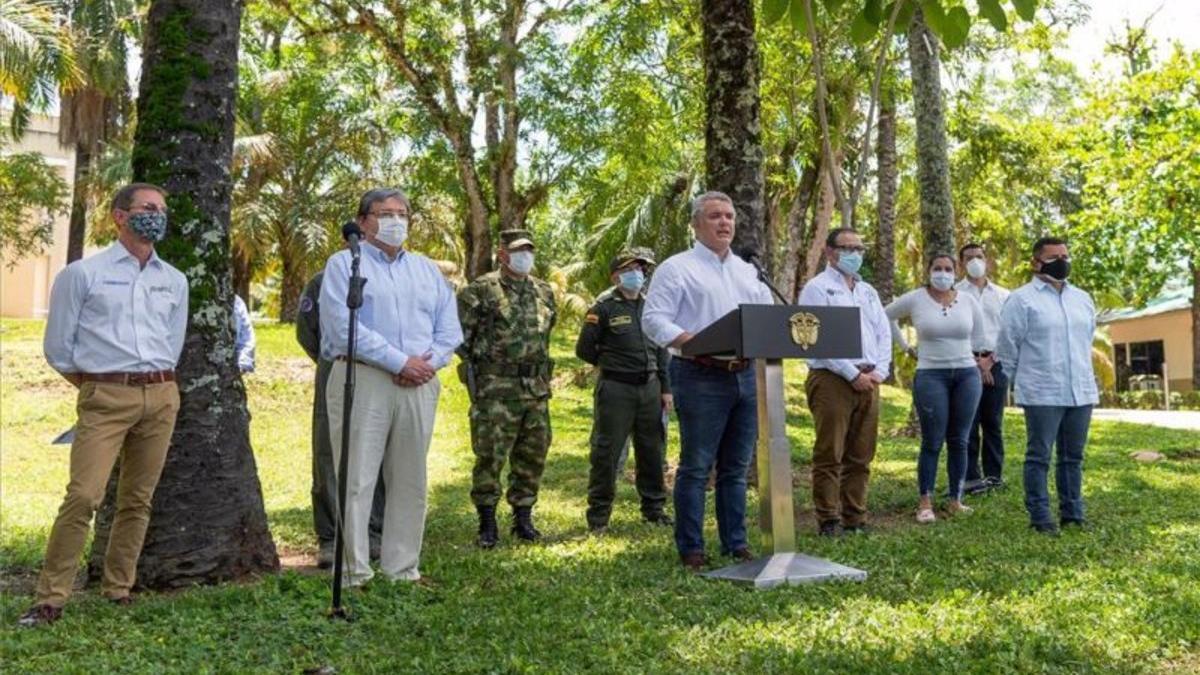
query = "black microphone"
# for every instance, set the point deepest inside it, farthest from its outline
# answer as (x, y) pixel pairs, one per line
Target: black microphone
(752, 255)
(352, 233)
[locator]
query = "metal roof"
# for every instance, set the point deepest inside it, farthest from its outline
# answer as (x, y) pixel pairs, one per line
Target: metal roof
(1173, 298)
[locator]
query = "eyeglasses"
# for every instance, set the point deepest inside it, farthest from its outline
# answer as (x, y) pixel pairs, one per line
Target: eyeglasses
(390, 214)
(148, 207)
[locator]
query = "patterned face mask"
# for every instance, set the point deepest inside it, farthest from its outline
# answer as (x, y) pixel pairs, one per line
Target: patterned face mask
(149, 225)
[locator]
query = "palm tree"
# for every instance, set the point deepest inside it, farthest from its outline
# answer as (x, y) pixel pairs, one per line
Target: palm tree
(36, 58)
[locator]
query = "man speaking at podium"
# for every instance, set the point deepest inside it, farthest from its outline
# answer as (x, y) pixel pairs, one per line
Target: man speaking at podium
(714, 397)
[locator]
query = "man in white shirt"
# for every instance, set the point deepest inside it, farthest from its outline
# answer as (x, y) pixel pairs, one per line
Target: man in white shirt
(1046, 331)
(715, 399)
(407, 330)
(986, 437)
(843, 394)
(115, 331)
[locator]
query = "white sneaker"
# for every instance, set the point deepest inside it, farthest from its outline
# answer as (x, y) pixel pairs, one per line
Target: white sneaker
(925, 516)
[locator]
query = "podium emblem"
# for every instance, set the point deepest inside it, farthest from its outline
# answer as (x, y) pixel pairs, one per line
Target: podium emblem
(806, 328)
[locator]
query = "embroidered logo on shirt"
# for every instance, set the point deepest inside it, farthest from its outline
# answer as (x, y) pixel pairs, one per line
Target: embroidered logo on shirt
(115, 282)
(623, 320)
(160, 289)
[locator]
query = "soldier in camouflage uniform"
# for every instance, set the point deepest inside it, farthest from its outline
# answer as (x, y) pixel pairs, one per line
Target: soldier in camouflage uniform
(632, 394)
(506, 320)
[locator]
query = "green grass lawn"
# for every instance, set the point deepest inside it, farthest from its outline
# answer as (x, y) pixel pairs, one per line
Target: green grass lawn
(979, 593)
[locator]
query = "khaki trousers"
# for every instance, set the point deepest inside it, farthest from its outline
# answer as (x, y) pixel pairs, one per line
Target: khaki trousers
(135, 423)
(392, 428)
(847, 423)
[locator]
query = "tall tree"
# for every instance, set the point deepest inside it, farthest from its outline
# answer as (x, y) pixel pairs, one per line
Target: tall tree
(36, 58)
(733, 155)
(933, 159)
(208, 523)
(887, 177)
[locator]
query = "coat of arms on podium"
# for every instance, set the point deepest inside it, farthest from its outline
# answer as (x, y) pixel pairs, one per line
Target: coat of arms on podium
(806, 328)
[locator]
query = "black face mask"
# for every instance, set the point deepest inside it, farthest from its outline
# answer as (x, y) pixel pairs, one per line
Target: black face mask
(1058, 269)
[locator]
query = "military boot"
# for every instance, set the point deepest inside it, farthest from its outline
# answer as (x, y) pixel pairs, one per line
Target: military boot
(523, 524)
(489, 533)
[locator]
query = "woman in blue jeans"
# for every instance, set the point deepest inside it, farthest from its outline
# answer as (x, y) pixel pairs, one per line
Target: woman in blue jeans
(947, 385)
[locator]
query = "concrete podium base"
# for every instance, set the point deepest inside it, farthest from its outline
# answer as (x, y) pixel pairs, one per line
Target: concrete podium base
(786, 568)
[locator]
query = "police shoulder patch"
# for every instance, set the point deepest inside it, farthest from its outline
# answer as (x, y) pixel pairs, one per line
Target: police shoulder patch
(306, 304)
(622, 320)
(592, 318)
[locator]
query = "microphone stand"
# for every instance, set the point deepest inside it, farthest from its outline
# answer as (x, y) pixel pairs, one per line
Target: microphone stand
(354, 300)
(762, 276)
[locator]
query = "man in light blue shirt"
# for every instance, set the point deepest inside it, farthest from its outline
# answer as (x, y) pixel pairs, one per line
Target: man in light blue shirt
(244, 341)
(407, 329)
(115, 331)
(1046, 329)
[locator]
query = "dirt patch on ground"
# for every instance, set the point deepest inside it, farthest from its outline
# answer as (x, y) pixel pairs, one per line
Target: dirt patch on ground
(1182, 454)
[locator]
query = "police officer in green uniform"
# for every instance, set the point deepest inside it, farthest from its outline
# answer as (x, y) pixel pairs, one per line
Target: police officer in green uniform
(632, 394)
(506, 319)
(324, 480)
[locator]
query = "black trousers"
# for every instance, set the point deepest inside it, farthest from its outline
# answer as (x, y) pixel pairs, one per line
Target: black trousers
(987, 431)
(620, 410)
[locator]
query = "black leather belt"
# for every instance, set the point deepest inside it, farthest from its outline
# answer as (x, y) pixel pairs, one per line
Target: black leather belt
(728, 365)
(627, 378)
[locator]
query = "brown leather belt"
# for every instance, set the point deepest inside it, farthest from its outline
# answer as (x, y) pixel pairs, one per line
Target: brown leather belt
(130, 379)
(728, 365)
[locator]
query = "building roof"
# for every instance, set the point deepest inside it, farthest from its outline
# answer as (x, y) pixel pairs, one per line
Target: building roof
(1174, 297)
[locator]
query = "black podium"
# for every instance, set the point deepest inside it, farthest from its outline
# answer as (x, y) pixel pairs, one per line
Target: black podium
(768, 334)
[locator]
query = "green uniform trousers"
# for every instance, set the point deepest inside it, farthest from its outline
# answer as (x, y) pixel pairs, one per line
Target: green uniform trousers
(513, 430)
(620, 409)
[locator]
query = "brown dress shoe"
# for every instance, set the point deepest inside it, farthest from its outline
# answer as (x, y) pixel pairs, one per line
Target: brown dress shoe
(694, 561)
(40, 615)
(742, 555)
(123, 601)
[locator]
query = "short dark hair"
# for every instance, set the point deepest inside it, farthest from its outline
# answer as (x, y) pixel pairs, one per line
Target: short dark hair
(938, 256)
(963, 251)
(372, 197)
(1047, 241)
(831, 240)
(123, 198)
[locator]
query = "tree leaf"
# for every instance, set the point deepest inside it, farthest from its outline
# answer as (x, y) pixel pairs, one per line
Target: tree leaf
(994, 13)
(904, 17)
(935, 17)
(773, 10)
(1025, 8)
(862, 29)
(873, 12)
(833, 5)
(799, 22)
(958, 25)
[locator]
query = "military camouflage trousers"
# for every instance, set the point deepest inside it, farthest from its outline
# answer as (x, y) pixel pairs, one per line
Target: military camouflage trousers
(517, 431)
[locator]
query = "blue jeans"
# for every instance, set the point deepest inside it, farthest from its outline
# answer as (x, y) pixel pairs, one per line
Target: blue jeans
(718, 424)
(987, 431)
(946, 400)
(1046, 425)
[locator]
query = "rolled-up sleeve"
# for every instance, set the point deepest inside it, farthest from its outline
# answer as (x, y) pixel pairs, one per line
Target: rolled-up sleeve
(66, 303)
(662, 303)
(371, 347)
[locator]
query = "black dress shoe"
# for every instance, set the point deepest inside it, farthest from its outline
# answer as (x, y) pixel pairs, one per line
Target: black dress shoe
(830, 528)
(742, 555)
(1048, 529)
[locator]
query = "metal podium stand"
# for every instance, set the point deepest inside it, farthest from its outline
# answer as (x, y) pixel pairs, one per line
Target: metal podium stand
(768, 334)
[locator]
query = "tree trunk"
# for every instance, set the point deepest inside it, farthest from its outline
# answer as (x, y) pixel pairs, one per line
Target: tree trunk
(294, 274)
(1195, 324)
(733, 155)
(822, 217)
(207, 522)
(77, 230)
(933, 160)
(885, 235)
(793, 272)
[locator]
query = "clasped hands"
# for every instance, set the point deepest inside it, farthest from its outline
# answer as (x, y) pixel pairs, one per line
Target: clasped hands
(416, 372)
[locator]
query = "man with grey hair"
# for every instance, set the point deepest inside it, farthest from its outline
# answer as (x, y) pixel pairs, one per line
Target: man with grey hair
(407, 329)
(715, 398)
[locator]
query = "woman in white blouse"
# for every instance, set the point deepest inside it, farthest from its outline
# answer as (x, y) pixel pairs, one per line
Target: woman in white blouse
(947, 385)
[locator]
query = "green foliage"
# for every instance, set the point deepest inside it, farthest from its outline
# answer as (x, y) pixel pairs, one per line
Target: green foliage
(32, 195)
(981, 590)
(36, 58)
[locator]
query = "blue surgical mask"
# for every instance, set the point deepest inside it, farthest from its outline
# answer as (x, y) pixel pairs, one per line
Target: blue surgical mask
(149, 225)
(632, 280)
(849, 262)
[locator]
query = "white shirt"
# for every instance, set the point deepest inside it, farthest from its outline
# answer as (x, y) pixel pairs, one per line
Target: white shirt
(1046, 344)
(991, 298)
(408, 309)
(108, 314)
(829, 288)
(692, 289)
(946, 335)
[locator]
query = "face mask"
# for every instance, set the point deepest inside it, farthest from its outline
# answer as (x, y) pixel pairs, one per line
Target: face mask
(520, 262)
(849, 262)
(976, 268)
(392, 231)
(1058, 269)
(150, 225)
(942, 280)
(632, 280)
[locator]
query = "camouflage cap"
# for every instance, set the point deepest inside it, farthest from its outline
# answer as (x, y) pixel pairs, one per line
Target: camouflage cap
(636, 254)
(511, 240)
